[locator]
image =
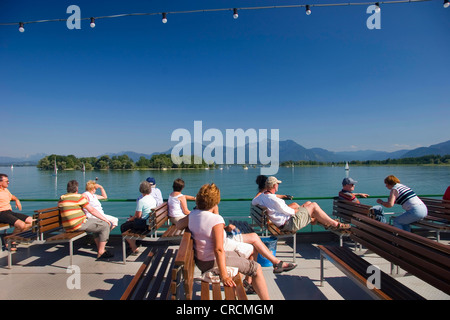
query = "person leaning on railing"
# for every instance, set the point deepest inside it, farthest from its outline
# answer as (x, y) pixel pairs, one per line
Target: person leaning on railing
(400, 194)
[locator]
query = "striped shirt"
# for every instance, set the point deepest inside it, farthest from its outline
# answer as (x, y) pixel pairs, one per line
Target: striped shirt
(406, 196)
(71, 210)
(347, 195)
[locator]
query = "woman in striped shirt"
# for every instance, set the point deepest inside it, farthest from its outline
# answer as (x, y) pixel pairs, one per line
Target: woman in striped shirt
(400, 194)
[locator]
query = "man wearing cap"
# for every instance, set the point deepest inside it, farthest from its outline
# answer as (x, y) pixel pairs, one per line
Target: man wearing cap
(293, 217)
(156, 193)
(348, 186)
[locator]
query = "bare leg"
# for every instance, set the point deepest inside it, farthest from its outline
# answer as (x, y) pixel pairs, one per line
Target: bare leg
(132, 244)
(20, 225)
(261, 248)
(259, 283)
(317, 213)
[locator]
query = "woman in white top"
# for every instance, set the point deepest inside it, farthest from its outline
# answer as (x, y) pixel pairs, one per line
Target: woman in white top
(208, 232)
(177, 202)
(93, 198)
(400, 194)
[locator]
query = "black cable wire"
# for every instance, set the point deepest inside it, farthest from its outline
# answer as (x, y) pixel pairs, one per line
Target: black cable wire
(218, 10)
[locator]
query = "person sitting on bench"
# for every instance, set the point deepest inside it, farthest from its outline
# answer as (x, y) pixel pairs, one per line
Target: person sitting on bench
(293, 217)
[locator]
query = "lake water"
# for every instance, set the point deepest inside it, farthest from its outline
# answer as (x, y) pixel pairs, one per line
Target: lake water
(234, 183)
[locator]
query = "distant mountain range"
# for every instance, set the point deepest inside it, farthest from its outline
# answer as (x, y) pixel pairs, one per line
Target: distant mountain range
(289, 150)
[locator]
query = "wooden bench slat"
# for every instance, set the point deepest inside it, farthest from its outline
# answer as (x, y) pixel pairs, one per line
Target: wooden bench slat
(335, 259)
(137, 277)
(205, 291)
(438, 217)
(46, 228)
(240, 290)
(216, 292)
(145, 282)
(66, 236)
(422, 257)
(405, 247)
(184, 271)
(158, 281)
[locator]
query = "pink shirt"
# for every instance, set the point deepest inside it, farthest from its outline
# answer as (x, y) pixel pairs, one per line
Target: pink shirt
(201, 224)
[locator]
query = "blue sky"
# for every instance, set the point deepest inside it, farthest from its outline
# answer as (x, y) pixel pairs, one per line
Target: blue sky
(323, 80)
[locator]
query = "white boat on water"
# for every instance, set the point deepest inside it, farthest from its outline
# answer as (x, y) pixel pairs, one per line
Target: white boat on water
(55, 168)
(346, 166)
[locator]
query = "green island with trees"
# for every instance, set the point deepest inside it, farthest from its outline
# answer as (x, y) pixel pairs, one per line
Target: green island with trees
(122, 162)
(164, 161)
(424, 160)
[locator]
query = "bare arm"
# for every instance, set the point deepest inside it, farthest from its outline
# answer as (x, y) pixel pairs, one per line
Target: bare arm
(183, 204)
(219, 253)
(104, 195)
(391, 201)
(17, 201)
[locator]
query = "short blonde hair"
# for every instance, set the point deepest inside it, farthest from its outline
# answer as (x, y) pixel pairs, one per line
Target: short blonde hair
(207, 197)
(90, 185)
(391, 180)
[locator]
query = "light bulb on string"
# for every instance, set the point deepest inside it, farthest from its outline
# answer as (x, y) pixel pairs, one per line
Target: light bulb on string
(21, 28)
(377, 7)
(235, 13)
(164, 18)
(92, 23)
(308, 10)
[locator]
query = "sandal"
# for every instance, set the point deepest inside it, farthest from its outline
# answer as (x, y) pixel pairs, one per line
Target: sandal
(248, 287)
(105, 255)
(340, 227)
(13, 246)
(278, 268)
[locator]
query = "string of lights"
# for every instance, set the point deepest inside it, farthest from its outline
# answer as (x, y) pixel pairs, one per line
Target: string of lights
(235, 11)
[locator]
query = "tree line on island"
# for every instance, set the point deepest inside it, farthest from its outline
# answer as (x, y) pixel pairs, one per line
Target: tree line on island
(122, 162)
(424, 160)
(164, 161)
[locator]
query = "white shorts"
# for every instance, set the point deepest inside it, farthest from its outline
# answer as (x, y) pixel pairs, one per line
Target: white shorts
(232, 244)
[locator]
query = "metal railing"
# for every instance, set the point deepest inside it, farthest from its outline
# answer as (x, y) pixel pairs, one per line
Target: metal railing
(227, 210)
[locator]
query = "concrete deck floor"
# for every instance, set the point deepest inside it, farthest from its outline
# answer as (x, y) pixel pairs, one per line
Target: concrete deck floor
(40, 272)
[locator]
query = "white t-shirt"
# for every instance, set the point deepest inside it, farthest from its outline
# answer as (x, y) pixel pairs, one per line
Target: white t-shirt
(156, 193)
(277, 209)
(201, 224)
(146, 204)
(94, 202)
(174, 204)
